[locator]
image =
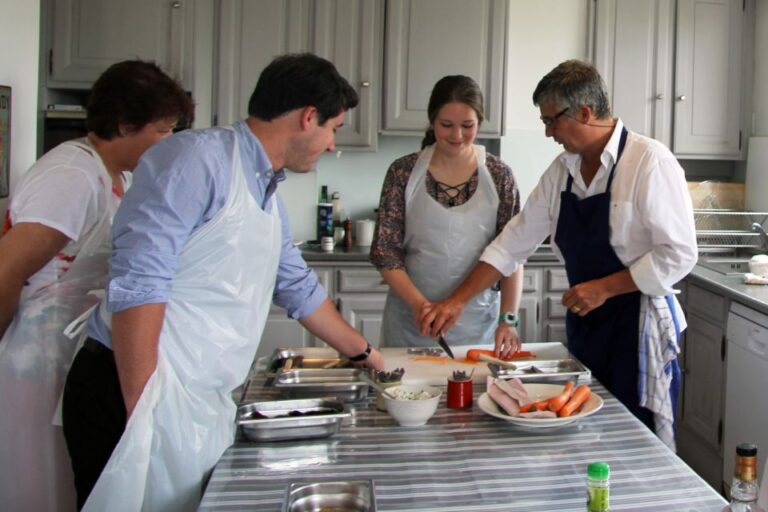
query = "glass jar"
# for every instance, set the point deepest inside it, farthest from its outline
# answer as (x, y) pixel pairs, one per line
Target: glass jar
(598, 491)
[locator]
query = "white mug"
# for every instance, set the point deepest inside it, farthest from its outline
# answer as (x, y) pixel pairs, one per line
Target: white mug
(364, 232)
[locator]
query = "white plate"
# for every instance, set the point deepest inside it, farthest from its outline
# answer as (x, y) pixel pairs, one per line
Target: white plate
(540, 392)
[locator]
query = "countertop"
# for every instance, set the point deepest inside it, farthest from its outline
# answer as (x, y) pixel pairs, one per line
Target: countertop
(754, 296)
(313, 254)
(465, 460)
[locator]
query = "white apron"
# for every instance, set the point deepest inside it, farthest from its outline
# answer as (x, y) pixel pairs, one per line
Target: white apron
(442, 245)
(35, 355)
(185, 417)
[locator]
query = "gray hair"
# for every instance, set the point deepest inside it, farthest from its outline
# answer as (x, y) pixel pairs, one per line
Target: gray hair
(574, 83)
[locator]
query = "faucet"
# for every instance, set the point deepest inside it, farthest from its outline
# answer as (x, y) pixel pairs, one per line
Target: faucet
(758, 228)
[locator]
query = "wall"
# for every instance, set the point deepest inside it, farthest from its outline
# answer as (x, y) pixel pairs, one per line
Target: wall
(20, 40)
(760, 94)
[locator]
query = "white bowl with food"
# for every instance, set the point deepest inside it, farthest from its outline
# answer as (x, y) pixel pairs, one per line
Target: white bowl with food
(413, 404)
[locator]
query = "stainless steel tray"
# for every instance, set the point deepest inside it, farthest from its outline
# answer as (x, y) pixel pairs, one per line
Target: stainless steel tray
(280, 356)
(342, 382)
(352, 496)
(552, 370)
(282, 420)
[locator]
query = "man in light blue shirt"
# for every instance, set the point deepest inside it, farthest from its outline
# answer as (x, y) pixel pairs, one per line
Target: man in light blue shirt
(202, 247)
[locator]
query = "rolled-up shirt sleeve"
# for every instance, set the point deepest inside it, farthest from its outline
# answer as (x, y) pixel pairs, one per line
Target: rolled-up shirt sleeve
(177, 186)
(297, 288)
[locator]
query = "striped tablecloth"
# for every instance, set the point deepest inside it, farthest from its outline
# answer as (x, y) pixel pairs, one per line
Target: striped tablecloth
(465, 461)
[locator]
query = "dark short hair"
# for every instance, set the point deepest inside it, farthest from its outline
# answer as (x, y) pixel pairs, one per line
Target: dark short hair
(135, 93)
(450, 89)
(574, 83)
(301, 80)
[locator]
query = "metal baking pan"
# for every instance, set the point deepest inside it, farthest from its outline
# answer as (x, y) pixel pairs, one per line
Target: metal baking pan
(342, 382)
(280, 356)
(283, 420)
(425, 351)
(352, 496)
(553, 370)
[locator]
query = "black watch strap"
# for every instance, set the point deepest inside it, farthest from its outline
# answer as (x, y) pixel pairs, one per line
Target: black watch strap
(362, 356)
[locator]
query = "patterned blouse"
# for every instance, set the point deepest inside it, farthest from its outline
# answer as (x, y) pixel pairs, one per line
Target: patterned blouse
(387, 252)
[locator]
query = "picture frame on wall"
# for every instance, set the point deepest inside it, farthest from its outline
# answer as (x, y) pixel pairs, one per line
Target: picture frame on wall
(5, 140)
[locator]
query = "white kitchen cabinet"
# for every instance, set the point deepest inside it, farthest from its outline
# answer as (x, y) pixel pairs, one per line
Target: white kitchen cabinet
(90, 35)
(346, 32)
(746, 409)
(555, 283)
(674, 70)
(85, 37)
(699, 433)
(428, 39)
(528, 311)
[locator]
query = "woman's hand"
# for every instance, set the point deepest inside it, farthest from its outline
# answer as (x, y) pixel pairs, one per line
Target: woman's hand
(507, 340)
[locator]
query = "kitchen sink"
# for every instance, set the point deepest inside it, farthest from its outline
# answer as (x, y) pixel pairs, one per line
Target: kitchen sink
(725, 266)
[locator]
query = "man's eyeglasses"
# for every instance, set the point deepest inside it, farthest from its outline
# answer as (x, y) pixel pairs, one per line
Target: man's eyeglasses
(549, 122)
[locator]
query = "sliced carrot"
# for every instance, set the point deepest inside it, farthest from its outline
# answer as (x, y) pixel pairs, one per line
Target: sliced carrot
(473, 354)
(556, 403)
(539, 405)
(580, 396)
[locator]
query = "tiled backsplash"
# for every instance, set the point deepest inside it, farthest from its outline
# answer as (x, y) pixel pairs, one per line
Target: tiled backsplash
(717, 195)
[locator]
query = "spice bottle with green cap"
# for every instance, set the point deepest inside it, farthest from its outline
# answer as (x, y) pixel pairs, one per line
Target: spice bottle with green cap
(598, 494)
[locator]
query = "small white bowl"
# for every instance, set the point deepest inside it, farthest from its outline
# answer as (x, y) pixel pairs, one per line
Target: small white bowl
(758, 265)
(412, 413)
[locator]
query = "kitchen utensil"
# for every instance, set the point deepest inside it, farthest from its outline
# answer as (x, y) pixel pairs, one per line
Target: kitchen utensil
(459, 392)
(352, 495)
(282, 420)
(378, 387)
(346, 383)
(441, 341)
(496, 360)
(555, 370)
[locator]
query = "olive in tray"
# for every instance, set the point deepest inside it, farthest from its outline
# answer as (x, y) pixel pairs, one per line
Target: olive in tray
(283, 420)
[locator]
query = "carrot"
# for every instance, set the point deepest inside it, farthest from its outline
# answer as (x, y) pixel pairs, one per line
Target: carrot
(580, 396)
(540, 405)
(556, 403)
(473, 354)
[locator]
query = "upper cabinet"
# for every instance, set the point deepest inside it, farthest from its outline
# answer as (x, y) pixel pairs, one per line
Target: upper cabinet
(346, 32)
(428, 39)
(87, 36)
(674, 71)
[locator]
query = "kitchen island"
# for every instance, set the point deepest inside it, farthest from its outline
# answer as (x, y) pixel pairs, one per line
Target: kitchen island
(464, 460)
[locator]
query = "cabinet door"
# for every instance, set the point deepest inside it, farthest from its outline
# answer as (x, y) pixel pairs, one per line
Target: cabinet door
(633, 52)
(251, 34)
(708, 78)
(364, 312)
(90, 35)
(529, 328)
(703, 374)
(428, 39)
(281, 331)
(347, 32)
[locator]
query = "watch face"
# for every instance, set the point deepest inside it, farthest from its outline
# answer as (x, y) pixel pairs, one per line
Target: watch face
(511, 319)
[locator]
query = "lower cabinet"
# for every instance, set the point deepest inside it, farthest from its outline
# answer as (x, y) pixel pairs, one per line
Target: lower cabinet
(700, 429)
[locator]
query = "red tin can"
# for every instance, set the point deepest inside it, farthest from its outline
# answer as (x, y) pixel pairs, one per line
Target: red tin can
(459, 394)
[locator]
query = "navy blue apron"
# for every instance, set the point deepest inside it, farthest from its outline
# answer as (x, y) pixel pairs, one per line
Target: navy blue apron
(606, 339)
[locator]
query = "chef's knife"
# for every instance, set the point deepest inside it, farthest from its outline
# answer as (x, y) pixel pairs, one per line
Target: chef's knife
(441, 341)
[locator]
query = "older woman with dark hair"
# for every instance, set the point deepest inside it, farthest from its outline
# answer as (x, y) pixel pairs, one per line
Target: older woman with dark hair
(53, 252)
(439, 208)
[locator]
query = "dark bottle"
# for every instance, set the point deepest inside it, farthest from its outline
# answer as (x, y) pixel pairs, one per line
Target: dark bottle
(348, 233)
(324, 214)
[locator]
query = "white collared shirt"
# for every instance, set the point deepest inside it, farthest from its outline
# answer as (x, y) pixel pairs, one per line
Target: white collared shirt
(651, 217)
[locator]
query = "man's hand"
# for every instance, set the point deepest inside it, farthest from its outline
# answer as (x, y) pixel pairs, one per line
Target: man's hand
(590, 295)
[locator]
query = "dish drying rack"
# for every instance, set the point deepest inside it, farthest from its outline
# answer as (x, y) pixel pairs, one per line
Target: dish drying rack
(721, 230)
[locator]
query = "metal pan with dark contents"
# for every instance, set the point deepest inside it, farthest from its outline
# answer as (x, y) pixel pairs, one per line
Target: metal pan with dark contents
(282, 420)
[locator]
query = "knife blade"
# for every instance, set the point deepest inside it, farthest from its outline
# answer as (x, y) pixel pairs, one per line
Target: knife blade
(444, 345)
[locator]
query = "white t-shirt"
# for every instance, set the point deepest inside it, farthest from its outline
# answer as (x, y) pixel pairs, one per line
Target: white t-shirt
(651, 217)
(63, 190)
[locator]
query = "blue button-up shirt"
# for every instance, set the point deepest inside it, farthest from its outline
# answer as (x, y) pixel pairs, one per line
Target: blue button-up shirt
(179, 185)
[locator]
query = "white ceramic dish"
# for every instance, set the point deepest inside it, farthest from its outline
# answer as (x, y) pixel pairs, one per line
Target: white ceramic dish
(540, 392)
(412, 413)
(758, 265)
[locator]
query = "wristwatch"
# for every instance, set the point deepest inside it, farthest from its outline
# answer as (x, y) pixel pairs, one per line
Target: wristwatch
(362, 356)
(510, 319)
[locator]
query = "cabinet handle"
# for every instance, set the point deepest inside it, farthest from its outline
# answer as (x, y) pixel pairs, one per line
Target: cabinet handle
(176, 5)
(659, 96)
(681, 97)
(365, 83)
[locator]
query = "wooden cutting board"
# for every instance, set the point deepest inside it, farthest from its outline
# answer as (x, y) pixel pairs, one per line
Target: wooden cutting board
(435, 371)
